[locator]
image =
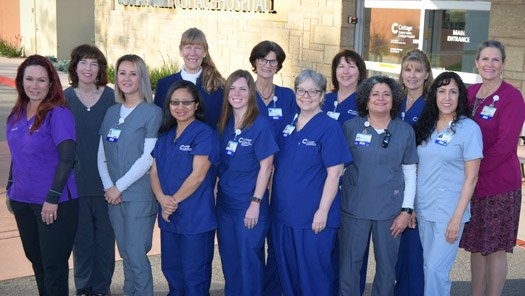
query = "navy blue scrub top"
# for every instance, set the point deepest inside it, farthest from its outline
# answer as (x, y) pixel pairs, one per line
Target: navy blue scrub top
(212, 101)
(412, 115)
(285, 99)
(301, 171)
(174, 160)
(347, 109)
(238, 172)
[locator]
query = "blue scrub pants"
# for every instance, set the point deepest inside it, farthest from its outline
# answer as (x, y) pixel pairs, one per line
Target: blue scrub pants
(354, 238)
(242, 254)
(410, 279)
(94, 248)
(133, 223)
(304, 259)
(272, 285)
(186, 262)
(439, 256)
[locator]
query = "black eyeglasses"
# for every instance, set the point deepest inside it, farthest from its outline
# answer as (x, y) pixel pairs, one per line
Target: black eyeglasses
(311, 93)
(263, 62)
(184, 103)
(386, 139)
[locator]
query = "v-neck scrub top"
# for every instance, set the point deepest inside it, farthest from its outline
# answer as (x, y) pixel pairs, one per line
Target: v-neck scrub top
(346, 109)
(35, 156)
(374, 184)
(441, 172)
(174, 160)
(300, 172)
(411, 116)
(285, 100)
(238, 173)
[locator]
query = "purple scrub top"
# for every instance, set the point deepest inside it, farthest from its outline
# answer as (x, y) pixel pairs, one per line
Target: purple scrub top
(35, 156)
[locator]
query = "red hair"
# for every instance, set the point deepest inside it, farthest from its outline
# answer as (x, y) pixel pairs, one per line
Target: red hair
(54, 98)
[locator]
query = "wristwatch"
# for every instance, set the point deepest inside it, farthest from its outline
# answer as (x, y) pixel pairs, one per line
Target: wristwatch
(256, 199)
(408, 210)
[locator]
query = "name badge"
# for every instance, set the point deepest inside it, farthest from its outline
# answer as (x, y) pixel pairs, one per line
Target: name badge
(275, 113)
(231, 147)
(288, 130)
(113, 135)
(487, 112)
(363, 139)
(444, 138)
(333, 114)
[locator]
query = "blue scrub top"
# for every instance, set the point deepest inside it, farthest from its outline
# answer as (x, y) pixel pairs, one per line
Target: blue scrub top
(285, 99)
(300, 171)
(174, 159)
(347, 109)
(212, 101)
(238, 172)
(412, 115)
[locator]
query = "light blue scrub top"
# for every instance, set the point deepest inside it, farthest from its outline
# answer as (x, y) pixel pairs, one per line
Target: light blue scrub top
(238, 173)
(347, 109)
(285, 99)
(300, 171)
(174, 159)
(441, 172)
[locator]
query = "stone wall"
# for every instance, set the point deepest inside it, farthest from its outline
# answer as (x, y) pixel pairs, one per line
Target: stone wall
(507, 25)
(310, 31)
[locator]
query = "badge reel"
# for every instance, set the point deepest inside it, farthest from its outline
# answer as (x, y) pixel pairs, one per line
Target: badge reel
(114, 133)
(275, 113)
(488, 111)
(445, 137)
(232, 145)
(334, 114)
(363, 138)
(289, 128)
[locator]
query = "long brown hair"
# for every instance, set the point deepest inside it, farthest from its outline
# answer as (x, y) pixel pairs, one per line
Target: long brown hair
(252, 110)
(212, 79)
(418, 56)
(55, 96)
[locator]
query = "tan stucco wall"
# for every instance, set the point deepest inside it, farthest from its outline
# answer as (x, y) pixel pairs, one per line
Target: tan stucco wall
(507, 25)
(75, 25)
(309, 31)
(10, 21)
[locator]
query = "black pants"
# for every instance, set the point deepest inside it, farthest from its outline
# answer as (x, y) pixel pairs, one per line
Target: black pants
(48, 247)
(94, 248)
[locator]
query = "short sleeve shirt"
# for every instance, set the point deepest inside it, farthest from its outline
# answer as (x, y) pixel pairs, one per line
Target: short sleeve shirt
(281, 110)
(35, 156)
(344, 111)
(374, 184)
(441, 171)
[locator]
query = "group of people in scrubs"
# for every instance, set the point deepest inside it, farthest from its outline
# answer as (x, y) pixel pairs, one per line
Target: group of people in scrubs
(293, 183)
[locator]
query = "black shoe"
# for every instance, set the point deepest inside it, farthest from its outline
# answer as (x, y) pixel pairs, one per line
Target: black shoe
(100, 294)
(83, 293)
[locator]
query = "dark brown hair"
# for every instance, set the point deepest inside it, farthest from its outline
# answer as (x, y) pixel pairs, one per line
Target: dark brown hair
(87, 51)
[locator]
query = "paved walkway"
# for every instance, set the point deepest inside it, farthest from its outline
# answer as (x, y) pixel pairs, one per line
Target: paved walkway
(16, 273)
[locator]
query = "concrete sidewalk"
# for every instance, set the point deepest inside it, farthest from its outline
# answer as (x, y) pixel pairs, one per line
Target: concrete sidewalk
(16, 273)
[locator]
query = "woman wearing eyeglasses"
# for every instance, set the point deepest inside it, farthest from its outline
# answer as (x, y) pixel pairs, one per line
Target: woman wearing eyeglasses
(183, 179)
(378, 187)
(247, 146)
(274, 101)
(305, 194)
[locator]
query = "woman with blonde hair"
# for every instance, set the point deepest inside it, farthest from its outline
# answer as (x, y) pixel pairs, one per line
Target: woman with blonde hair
(127, 136)
(200, 69)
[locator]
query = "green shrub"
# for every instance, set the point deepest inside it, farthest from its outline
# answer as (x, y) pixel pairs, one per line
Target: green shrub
(9, 50)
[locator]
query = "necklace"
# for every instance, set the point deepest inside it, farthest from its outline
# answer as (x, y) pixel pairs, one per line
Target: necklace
(86, 103)
(479, 101)
(269, 96)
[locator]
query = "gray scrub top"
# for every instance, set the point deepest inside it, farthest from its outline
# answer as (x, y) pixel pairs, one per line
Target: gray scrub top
(441, 172)
(143, 122)
(374, 184)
